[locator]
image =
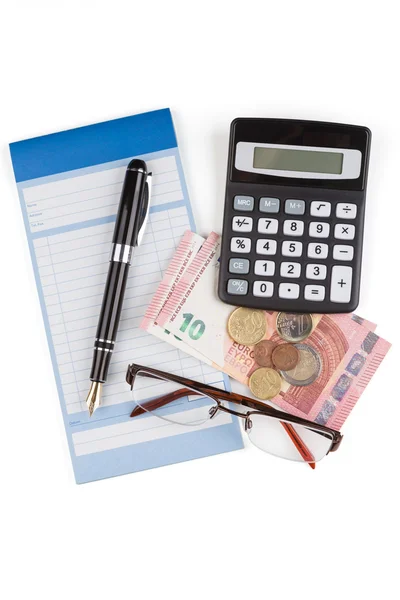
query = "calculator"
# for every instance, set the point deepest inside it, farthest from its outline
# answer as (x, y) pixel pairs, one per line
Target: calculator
(294, 215)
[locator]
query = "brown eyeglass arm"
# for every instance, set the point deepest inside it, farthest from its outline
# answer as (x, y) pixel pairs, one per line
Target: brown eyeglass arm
(167, 398)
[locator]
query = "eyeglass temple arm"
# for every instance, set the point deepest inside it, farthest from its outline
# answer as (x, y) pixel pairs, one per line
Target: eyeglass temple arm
(167, 398)
(302, 448)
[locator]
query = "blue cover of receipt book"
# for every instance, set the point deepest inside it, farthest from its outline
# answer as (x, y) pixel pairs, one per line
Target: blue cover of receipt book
(69, 185)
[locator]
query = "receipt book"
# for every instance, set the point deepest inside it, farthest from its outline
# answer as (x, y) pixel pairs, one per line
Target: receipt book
(69, 185)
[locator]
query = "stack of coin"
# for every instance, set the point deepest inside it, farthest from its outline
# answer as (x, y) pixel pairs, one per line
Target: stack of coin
(297, 363)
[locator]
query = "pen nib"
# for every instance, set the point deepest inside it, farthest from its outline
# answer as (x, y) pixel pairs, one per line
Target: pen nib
(93, 398)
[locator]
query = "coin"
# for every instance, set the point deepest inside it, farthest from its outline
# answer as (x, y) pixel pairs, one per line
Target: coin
(285, 357)
(307, 369)
(294, 327)
(265, 383)
(262, 353)
(247, 326)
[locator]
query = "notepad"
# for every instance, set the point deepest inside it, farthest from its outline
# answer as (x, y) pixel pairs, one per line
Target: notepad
(69, 184)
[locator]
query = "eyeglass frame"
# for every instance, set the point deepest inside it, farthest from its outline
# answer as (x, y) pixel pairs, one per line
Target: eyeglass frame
(219, 395)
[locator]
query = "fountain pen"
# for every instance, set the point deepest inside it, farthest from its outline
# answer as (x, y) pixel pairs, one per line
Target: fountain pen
(128, 232)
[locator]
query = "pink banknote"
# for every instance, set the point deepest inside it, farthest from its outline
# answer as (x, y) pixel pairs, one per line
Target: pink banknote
(186, 251)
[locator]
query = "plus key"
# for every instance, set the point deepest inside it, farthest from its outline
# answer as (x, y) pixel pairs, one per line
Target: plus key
(341, 284)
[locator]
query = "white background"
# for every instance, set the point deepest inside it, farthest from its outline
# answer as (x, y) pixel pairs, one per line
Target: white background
(240, 525)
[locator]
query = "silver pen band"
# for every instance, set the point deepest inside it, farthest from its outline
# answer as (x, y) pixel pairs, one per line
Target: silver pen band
(121, 253)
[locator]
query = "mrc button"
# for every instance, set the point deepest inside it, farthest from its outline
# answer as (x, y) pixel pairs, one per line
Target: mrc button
(239, 265)
(243, 203)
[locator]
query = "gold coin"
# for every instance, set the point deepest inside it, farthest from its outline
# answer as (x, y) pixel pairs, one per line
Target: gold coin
(265, 383)
(247, 326)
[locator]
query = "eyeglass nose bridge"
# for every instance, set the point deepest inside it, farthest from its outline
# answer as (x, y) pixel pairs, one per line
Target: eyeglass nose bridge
(213, 411)
(248, 424)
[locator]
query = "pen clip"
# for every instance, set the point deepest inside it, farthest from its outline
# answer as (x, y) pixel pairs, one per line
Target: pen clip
(144, 209)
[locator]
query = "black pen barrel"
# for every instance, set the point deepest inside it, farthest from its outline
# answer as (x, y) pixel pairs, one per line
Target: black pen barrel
(110, 314)
(131, 213)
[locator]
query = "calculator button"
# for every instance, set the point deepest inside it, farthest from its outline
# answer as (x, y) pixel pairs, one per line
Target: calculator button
(315, 293)
(269, 205)
(263, 288)
(238, 287)
(293, 228)
(316, 250)
(289, 269)
(341, 284)
(346, 211)
(240, 244)
(268, 226)
(343, 252)
(242, 224)
(319, 230)
(295, 207)
(344, 231)
(289, 290)
(292, 248)
(320, 209)
(243, 203)
(266, 246)
(316, 271)
(264, 267)
(239, 266)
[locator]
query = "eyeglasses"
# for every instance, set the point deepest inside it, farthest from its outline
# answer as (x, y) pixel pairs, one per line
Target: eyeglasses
(190, 403)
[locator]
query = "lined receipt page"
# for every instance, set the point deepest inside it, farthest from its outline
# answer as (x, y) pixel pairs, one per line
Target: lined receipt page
(69, 216)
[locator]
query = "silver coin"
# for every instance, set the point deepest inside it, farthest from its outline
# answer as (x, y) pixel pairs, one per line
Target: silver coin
(294, 327)
(308, 368)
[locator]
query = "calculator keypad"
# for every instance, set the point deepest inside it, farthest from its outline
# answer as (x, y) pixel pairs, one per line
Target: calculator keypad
(320, 209)
(293, 228)
(264, 267)
(266, 246)
(269, 226)
(243, 224)
(292, 248)
(316, 250)
(289, 269)
(290, 291)
(341, 283)
(346, 211)
(265, 289)
(344, 231)
(314, 293)
(238, 287)
(239, 266)
(319, 230)
(291, 245)
(269, 205)
(316, 271)
(295, 207)
(341, 252)
(243, 203)
(240, 244)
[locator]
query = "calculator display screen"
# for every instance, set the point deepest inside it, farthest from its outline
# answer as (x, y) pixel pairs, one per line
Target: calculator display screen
(306, 161)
